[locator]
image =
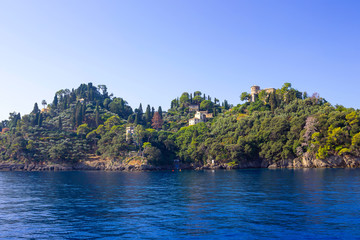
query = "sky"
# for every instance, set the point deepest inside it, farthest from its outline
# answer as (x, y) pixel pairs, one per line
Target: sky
(150, 52)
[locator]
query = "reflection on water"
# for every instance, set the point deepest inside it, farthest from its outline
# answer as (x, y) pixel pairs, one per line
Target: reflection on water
(252, 203)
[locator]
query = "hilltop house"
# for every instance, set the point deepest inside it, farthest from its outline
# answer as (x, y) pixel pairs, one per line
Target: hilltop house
(193, 108)
(200, 116)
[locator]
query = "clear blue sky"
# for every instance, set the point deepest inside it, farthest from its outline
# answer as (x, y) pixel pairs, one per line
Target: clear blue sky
(152, 51)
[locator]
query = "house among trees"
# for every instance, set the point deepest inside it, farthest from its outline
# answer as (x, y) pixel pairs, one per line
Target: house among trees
(129, 132)
(194, 108)
(255, 90)
(200, 116)
(45, 110)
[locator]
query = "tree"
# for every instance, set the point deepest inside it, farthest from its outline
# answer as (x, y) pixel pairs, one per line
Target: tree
(83, 130)
(112, 121)
(60, 123)
(140, 109)
(40, 120)
(226, 105)
(245, 96)
(152, 111)
(197, 93)
(157, 122)
(35, 109)
(131, 118)
(197, 99)
(152, 154)
(138, 135)
(55, 101)
(272, 101)
(78, 114)
(103, 88)
(160, 112)
(184, 99)
(97, 116)
(207, 105)
(44, 103)
(147, 114)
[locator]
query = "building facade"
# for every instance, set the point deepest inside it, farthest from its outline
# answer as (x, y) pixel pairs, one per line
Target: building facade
(255, 90)
(129, 132)
(200, 116)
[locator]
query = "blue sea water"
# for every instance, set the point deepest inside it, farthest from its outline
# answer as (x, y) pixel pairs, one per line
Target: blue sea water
(237, 204)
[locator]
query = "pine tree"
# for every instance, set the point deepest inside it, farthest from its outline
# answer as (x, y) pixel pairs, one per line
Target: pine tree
(157, 122)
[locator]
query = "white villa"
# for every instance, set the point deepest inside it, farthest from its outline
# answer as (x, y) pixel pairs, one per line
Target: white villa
(200, 116)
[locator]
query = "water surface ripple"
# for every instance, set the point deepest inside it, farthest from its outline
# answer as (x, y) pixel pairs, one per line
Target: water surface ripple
(238, 204)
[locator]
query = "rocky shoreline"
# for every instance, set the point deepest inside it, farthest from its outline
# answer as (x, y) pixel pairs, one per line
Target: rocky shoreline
(304, 162)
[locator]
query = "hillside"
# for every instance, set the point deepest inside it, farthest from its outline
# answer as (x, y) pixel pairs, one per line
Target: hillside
(273, 128)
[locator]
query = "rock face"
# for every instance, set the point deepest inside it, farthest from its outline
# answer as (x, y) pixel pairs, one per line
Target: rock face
(346, 161)
(306, 161)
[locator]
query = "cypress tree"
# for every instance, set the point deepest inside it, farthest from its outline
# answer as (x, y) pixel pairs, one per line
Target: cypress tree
(272, 101)
(160, 111)
(79, 114)
(152, 112)
(97, 116)
(36, 109)
(60, 123)
(55, 101)
(131, 118)
(40, 120)
(83, 112)
(136, 121)
(147, 114)
(73, 118)
(140, 109)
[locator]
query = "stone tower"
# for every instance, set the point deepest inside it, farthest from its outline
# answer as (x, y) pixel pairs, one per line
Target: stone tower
(254, 91)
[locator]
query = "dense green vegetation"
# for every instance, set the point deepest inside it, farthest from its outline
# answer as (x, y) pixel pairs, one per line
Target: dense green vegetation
(284, 124)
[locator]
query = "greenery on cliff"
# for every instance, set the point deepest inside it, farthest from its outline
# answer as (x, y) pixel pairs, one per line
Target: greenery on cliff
(87, 121)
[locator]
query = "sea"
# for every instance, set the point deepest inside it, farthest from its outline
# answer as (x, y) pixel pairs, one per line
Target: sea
(220, 204)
